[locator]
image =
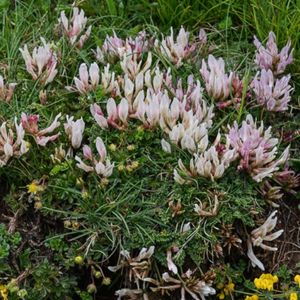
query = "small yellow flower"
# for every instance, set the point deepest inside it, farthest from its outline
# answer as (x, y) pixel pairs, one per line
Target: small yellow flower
(104, 182)
(228, 288)
(297, 279)
(293, 296)
(221, 296)
(265, 282)
(34, 187)
(3, 292)
(253, 297)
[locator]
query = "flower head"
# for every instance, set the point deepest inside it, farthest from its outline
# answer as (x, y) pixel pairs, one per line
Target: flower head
(257, 149)
(273, 94)
(34, 187)
(101, 166)
(115, 47)
(293, 296)
(12, 143)
(265, 282)
(74, 28)
(41, 136)
(42, 63)
(297, 279)
(217, 82)
(269, 58)
(178, 50)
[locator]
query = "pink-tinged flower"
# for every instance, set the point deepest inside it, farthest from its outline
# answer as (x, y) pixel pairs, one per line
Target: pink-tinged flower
(211, 163)
(6, 90)
(256, 148)
(12, 143)
(133, 67)
(74, 29)
(42, 137)
(42, 64)
(202, 37)
(260, 235)
(171, 265)
(269, 58)
(273, 94)
(217, 82)
(116, 48)
(101, 165)
(288, 179)
(74, 131)
(89, 80)
(117, 115)
(176, 51)
(98, 115)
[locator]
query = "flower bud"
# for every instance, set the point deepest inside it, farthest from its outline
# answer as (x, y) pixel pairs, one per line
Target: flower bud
(91, 288)
(78, 260)
(106, 281)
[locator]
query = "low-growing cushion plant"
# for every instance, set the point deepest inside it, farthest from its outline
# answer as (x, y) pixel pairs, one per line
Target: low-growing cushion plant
(144, 165)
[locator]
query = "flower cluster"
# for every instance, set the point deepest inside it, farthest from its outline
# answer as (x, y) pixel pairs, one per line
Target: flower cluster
(6, 90)
(115, 48)
(211, 163)
(266, 282)
(42, 64)
(102, 166)
(89, 80)
(269, 58)
(271, 92)
(74, 28)
(187, 283)
(11, 146)
(227, 290)
(138, 269)
(218, 84)
(30, 125)
(179, 50)
(257, 149)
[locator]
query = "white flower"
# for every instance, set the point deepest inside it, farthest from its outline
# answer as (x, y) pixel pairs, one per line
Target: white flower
(74, 131)
(261, 234)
